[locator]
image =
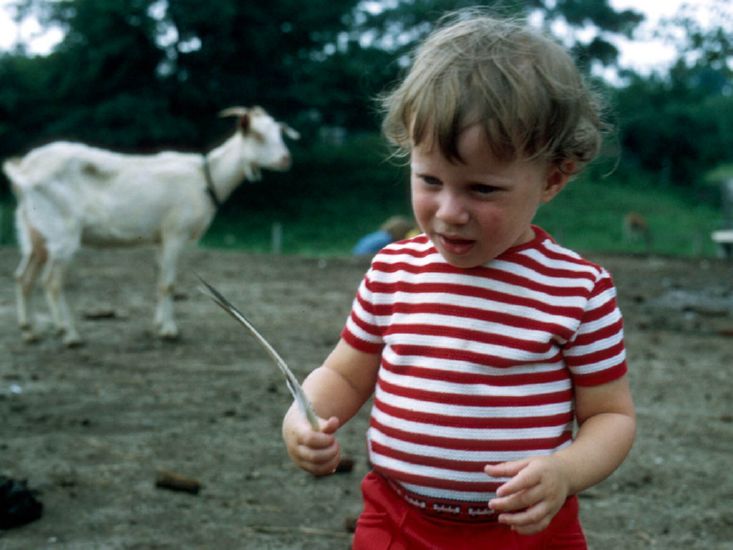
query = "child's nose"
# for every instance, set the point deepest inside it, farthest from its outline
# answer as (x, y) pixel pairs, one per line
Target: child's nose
(451, 210)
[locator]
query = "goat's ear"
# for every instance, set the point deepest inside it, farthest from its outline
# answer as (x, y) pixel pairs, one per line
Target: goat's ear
(244, 122)
(290, 132)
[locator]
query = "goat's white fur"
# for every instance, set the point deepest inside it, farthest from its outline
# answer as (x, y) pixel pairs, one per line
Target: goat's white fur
(70, 194)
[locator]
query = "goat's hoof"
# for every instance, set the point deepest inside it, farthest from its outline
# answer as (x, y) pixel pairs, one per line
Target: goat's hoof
(73, 341)
(30, 337)
(170, 334)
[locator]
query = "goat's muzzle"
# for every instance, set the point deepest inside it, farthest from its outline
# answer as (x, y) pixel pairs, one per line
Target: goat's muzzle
(284, 163)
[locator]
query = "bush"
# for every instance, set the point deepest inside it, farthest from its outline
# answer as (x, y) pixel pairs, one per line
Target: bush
(333, 194)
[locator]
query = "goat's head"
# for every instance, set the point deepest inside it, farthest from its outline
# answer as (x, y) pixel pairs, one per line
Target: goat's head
(263, 138)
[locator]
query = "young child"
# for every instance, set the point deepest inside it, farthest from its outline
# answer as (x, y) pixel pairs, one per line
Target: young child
(482, 340)
(394, 228)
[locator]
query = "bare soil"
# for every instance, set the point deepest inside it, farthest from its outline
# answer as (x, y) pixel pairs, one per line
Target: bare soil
(90, 428)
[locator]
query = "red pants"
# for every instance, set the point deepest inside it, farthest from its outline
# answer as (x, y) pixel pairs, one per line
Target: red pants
(388, 522)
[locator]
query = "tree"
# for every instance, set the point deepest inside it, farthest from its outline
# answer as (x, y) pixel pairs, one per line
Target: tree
(399, 27)
(316, 62)
(680, 124)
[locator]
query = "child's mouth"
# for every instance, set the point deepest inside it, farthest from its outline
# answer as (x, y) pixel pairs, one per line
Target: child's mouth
(455, 245)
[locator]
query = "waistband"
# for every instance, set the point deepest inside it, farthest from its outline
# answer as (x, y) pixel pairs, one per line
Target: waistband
(444, 509)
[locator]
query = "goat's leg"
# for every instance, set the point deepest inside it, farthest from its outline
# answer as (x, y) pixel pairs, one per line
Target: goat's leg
(34, 256)
(53, 283)
(25, 278)
(168, 260)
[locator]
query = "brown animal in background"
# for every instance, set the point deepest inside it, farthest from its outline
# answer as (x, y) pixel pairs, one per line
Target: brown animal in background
(636, 228)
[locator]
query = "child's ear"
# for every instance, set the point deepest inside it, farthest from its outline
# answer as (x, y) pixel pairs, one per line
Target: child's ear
(558, 176)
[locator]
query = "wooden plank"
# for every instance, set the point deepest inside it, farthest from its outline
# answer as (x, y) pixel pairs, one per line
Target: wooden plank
(723, 236)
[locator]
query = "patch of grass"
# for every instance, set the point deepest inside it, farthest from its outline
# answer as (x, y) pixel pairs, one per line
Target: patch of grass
(317, 229)
(335, 194)
(719, 174)
(7, 225)
(332, 196)
(588, 216)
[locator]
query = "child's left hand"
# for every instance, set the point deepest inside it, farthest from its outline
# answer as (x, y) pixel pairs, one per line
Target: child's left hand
(535, 493)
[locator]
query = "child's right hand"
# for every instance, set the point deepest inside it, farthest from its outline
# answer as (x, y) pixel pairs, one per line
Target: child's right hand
(315, 452)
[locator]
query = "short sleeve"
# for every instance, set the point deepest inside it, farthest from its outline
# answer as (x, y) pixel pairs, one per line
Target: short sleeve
(596, 354)
(361, 330)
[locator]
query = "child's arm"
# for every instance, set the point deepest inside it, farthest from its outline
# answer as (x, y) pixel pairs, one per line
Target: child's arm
(337, 390)
(539, 486)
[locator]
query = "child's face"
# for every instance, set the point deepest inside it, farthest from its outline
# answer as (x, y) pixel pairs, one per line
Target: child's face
(474, 211)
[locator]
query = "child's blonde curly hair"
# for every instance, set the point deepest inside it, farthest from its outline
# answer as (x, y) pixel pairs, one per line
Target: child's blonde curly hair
(521, 86)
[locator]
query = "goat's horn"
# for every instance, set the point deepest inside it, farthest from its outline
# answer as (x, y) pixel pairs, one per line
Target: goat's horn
(233, 111)
(292, 133)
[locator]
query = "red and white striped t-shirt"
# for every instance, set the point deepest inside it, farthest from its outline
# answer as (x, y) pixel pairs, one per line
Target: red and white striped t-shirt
(478, 365)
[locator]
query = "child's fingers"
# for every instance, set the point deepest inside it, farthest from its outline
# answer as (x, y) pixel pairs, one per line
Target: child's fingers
(321, 439)
(314, 451)
(315, 440)
(532, 520)
(520, 477)
(505, 469)
(318, 461)
(317, 452)
(520, 500)
(300, 429)
(329, 426)
(517, 484)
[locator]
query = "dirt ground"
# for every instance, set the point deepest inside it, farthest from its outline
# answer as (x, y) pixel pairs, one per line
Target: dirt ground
(89, 428)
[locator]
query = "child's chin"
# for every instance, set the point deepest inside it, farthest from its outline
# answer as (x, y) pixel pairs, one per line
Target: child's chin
(466, 261)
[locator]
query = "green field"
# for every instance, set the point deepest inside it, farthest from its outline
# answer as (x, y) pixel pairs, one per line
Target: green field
(331, 198)
(335, 194)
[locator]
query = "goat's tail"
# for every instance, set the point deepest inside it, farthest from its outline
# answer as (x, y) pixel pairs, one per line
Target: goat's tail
(11, 167)
(30, 236)
(23, 232)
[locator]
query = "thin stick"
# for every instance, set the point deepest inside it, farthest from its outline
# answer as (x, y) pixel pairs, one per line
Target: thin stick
(292, 382)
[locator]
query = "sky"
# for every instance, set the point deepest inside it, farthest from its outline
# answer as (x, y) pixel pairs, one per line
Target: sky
(30, 31)
(643, 54)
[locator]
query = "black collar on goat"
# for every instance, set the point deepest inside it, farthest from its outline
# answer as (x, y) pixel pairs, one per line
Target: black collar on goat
(210, 183)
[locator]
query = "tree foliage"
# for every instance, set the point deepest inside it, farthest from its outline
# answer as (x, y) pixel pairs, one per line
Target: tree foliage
(680, 124)
(133, 73)
(149, 74)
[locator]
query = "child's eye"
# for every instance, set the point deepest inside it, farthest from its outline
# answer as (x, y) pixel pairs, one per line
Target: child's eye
(431, 181)
(483, 189)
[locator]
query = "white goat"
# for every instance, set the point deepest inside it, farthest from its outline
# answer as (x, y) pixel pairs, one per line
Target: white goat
(70, 194)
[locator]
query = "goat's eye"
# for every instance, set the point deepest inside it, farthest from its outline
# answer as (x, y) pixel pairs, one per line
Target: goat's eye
(258, 136)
